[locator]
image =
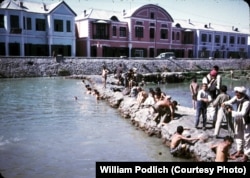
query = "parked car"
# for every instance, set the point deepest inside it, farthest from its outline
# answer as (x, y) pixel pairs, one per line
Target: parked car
(166, 55)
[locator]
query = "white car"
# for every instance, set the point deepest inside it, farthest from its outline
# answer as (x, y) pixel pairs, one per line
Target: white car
(166, 55)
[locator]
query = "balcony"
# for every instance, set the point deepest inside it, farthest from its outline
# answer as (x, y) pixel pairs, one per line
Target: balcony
(16, 30)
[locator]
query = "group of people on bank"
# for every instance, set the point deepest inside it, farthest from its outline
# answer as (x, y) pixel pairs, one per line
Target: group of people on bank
(213, 94)
(160, 103)
(210, 95)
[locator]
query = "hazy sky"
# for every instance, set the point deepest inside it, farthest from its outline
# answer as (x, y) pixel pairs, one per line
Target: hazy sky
(223, 12)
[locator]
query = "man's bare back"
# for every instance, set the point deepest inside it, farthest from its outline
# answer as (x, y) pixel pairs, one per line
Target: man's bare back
(222, 150)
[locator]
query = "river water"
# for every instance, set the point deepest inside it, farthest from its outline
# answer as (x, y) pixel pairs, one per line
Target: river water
(46, 133)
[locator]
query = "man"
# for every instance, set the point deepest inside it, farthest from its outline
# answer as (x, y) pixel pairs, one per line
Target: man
(164, 108)
(178, 145)
(214, 81)
(222, 97)
(203, 98)
(222, 149)
(194, 88)
(241, 122)
(118, 73)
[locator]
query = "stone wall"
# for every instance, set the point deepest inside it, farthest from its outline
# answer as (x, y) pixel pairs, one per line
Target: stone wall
(39, 67)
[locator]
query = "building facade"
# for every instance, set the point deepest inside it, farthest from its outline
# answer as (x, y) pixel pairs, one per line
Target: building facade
(149, 30)
(217, 41)
(142, 32)
(36, 29)
(39, 29)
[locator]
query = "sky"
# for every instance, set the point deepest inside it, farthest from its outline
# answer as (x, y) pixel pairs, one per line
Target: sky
(223, 12)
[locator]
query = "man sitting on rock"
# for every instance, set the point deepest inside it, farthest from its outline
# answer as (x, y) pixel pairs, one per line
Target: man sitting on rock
(178, 145)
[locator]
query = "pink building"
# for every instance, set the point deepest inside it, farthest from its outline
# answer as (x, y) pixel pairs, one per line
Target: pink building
(150, 30)
(143, 32)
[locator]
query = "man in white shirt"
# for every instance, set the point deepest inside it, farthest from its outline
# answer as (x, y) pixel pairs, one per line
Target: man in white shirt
(241, 122)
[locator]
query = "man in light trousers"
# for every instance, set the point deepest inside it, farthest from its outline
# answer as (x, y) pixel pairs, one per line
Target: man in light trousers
(241, 122)
(222, 97)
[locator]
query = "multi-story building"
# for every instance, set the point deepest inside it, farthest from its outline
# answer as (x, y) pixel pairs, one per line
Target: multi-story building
(36, 29)
(143, 32)
(149, 30)
(39, 29)
(217, 41)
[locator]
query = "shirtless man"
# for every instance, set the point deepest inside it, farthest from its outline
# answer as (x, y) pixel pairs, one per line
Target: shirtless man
(222, 149)
(166, 102)
(178, 144)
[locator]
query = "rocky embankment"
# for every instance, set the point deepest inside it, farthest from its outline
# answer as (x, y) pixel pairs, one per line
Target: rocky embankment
(142, 118)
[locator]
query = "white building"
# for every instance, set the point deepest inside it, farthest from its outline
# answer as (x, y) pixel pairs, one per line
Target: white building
(217, 41)
(36, 29)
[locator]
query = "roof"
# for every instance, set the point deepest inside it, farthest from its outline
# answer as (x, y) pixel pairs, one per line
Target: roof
(107, 14)
(34, 7)
(188, 24)
(100, 14)
(131, 12)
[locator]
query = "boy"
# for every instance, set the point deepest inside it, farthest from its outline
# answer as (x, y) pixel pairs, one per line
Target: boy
(203, 98)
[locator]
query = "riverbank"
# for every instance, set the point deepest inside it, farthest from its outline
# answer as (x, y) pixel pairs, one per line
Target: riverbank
(142, 118)
(16, 67)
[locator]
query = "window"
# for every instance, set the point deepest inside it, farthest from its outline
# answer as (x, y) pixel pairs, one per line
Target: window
(173, 35)
(151, 33)
(114, 30)
(217, 39)
(123, 32)
(238, 40)
(243, 40)
(139, 32)
(101, 32)
(138, 53)
(1, 21)
(210, 38)
(14, 25)
(29, 24)
(68, 23)
(152, 24)
(187, 38)
(40, 25)
(178, 36)
(14, 21)
(114, 18)
(24, 23)
(164, 33)
(203, 37)
(152, 15)
(224, 39)
(231, 40)
(58, 25)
